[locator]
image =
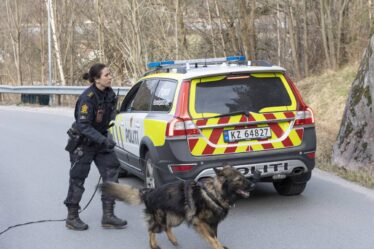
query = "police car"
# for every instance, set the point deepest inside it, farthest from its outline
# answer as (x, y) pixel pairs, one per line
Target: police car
(184, 118)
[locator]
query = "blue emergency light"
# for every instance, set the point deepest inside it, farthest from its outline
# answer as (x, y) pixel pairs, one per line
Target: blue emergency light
(236, 58)
(169, 63)
(159, 63)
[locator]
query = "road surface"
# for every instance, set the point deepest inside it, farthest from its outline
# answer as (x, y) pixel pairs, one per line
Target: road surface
(330, 214)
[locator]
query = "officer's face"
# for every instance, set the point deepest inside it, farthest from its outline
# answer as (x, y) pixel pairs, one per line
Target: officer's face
(105, 79)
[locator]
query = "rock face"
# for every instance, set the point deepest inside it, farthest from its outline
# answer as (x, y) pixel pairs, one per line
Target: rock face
(354, 146)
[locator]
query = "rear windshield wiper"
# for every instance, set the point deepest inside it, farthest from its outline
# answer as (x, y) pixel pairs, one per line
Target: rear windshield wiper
(246, 113)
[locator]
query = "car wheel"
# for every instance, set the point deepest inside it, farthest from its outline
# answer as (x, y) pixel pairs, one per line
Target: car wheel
(287, 187)
(151, 177)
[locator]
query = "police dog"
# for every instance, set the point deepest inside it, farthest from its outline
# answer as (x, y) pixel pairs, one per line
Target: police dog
(202, 204)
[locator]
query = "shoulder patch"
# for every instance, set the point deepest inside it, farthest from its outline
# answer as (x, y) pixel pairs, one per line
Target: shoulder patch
(84, 109)
(90, 94)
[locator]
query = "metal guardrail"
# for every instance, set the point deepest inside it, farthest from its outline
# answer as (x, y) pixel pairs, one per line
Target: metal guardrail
(59, 90)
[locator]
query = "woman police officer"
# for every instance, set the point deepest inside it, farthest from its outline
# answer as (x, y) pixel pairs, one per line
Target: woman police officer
(94, 109)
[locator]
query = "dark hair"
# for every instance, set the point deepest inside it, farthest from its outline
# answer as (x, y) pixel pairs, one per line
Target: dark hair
(94, 72)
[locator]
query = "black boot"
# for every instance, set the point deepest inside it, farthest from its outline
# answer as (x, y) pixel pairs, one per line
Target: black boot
(109, 220)
(73, 221)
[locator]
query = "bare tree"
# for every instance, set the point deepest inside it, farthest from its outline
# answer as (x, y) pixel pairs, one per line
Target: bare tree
(278, 25)
(211, 29)
(218, 13)
(14, 14)
(100, 34)
(247, 30)
(323, 32)
(292, 36)
(55, 42)
(305, 39)
(342, 7)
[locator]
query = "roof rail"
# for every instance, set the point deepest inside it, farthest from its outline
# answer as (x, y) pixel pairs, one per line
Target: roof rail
(165, 70)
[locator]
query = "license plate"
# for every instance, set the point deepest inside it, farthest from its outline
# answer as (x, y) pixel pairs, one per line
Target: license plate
(246, 134)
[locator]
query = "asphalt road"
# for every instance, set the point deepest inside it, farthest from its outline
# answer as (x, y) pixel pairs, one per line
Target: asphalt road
(330, 214)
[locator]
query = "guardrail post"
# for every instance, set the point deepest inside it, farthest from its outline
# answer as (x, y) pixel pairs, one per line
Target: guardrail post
(51, 100)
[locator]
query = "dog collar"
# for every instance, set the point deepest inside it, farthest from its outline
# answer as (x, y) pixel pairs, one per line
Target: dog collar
(215, 201)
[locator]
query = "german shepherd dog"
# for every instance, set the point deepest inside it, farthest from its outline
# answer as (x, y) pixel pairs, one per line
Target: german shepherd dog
(202, 204)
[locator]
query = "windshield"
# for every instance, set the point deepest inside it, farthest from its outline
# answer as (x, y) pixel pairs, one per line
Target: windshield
(237, 94)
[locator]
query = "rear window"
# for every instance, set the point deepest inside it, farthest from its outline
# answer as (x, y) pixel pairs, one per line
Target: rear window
(240, 94)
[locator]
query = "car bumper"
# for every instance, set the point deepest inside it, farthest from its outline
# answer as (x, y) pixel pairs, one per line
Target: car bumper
(273, 164)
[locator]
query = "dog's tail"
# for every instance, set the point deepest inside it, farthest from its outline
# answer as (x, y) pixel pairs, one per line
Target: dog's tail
(123, 192)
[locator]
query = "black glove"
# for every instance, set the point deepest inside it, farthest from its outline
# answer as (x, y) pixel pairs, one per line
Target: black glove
(109, 143)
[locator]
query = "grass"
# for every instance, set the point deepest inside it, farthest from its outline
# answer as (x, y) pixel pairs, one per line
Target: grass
(327, 94)
(363, 177)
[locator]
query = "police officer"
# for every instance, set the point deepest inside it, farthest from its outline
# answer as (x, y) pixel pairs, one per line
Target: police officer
(93, 111)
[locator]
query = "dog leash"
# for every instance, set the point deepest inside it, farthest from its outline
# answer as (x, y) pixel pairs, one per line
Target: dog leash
(92, 196)
(55, 220)
(88, 203)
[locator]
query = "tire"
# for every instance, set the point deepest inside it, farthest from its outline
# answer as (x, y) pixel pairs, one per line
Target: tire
(288, 188)
(151, 179)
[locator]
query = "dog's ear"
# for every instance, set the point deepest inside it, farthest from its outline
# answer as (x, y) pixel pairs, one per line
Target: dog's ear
(227, 166)
(218, 171)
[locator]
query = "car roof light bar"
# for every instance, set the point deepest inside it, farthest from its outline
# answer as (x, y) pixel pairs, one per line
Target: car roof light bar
(204, 61)
(159, 64)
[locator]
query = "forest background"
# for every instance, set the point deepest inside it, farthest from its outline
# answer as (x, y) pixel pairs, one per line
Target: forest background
(304, 36)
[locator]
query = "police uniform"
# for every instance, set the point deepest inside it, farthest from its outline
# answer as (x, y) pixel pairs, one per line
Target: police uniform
(93, 112)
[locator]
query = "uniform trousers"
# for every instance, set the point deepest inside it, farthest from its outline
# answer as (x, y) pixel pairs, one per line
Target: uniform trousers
(106, 162)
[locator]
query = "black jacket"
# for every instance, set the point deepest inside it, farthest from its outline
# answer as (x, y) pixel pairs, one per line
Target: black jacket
(93, 112)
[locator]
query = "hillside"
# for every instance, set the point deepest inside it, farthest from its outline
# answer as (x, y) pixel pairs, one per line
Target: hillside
(326, 94)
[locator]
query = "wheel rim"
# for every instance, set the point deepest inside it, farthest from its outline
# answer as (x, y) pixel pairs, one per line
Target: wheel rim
(149, 176)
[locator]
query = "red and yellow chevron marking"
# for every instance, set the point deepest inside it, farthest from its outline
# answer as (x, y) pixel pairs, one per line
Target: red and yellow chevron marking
(199, 146)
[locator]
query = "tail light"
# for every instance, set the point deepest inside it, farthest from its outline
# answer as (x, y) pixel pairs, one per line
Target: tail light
(181, 124)
(180, 127)
(305, 117)
(311, 155)
(182, 105)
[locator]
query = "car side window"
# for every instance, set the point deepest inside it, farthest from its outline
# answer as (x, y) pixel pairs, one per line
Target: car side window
(129, 98)
(164, 95)
(142, 99)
